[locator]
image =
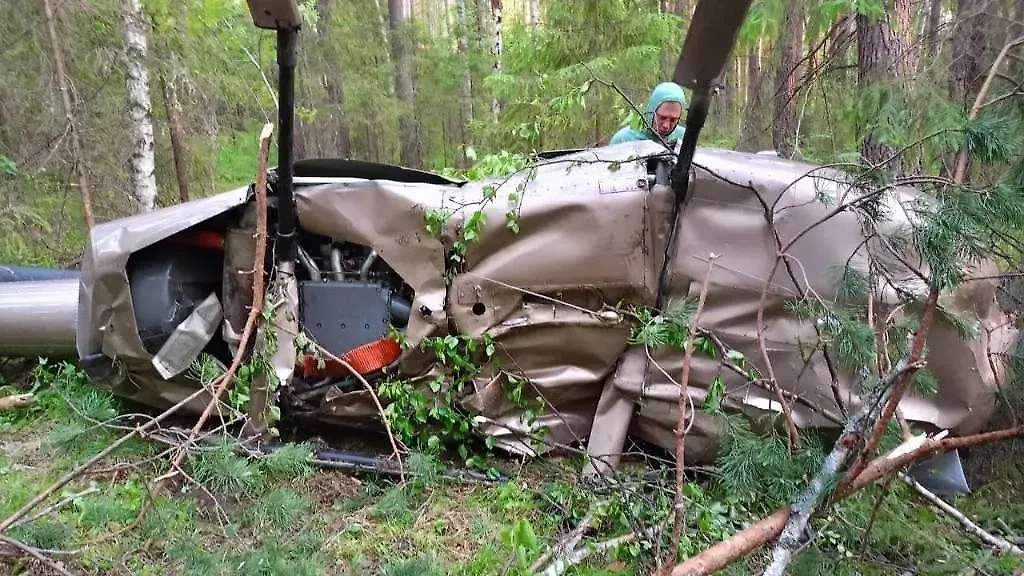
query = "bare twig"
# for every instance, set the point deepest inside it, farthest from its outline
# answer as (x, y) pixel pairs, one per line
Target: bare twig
(680, 507)
(35, 553)
(874, 514)
(54, 507)
(567, 544)
(560, 565)
(376, 401)
(64, 480)
(961, 158)
(996, 542)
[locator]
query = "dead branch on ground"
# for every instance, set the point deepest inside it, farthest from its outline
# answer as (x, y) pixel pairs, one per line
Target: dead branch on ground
(54, 508)
(17, 401)
(64, 480)
(6, 524)
(35, 553)
(560, 565)
(970, 527)
(568, 544)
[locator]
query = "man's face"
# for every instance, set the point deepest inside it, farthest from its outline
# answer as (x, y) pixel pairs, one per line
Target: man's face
(666, 117)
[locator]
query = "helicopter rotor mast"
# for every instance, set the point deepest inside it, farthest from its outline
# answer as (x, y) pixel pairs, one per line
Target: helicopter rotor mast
(706, 50)
(283, 17)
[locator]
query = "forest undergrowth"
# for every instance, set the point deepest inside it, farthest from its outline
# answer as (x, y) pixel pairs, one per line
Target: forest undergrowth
(281, 515)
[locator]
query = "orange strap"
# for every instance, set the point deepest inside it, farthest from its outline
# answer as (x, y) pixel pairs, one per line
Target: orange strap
(367, 358)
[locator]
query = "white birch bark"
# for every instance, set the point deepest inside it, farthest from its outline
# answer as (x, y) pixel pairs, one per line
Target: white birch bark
(140, 113)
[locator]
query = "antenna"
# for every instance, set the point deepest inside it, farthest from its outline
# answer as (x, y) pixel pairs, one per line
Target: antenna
(283, 16)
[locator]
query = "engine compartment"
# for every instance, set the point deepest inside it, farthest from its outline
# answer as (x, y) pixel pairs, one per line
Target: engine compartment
(349, 300)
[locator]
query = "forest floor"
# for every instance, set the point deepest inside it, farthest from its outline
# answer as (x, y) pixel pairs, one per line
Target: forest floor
(280, 516)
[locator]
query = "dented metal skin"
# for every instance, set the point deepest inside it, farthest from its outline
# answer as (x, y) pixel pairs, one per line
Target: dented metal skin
(593, 228)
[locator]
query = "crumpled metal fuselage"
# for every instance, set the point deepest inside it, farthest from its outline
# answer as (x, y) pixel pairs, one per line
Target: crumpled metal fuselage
(592, 233)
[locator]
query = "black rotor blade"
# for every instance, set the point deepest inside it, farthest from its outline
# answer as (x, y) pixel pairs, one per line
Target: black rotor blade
(709, 41)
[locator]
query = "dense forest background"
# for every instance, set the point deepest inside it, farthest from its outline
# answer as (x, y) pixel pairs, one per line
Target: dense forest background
(92, 86)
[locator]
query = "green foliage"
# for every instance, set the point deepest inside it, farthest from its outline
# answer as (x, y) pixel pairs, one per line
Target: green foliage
(842, 329)
(288, 461)
(222, 469)
(431, 419)
(761, 468)
(279, 508)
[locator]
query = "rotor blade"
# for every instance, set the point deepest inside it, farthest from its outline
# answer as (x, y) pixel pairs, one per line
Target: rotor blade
(709, 41)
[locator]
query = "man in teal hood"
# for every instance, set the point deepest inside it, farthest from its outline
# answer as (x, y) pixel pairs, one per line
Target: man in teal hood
(664, 109)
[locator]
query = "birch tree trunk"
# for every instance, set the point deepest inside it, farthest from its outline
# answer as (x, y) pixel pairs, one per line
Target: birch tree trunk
(81, 170)
(790, 48)
(533, 13)
(140, 114)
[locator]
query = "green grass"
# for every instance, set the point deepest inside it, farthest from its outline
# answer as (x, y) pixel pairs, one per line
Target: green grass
(277, 515)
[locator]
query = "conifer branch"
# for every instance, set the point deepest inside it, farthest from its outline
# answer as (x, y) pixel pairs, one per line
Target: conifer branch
(749, 539)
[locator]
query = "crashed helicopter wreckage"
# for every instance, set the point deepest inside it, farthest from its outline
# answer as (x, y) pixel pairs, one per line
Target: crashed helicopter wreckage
(589, 238)
(600, 231)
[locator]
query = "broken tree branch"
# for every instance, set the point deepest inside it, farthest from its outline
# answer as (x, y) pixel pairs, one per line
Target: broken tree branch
(257, 292)
(742, 543)
(680, 509)
(35, 553)
(961, 158)
(17, 401)
(55, 507)
(560, 565)
(64, 480)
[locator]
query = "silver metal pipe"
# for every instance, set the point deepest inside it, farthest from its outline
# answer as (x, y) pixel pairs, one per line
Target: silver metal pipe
(37, 318)
(364, 271)
(307, 262)
(336, 263)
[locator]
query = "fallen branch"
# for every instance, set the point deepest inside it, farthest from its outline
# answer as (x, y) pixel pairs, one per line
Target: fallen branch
(996, 542)
(64, 480)
(680, 509)
(257, 293)
(17, 401)
(566, 545)
(742, 543)
(35, 553)
(55, 507)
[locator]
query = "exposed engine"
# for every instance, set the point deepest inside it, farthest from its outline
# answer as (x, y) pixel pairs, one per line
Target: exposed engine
(349, 298)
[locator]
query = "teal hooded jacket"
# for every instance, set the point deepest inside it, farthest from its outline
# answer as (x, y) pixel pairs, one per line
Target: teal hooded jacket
(664, 92)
